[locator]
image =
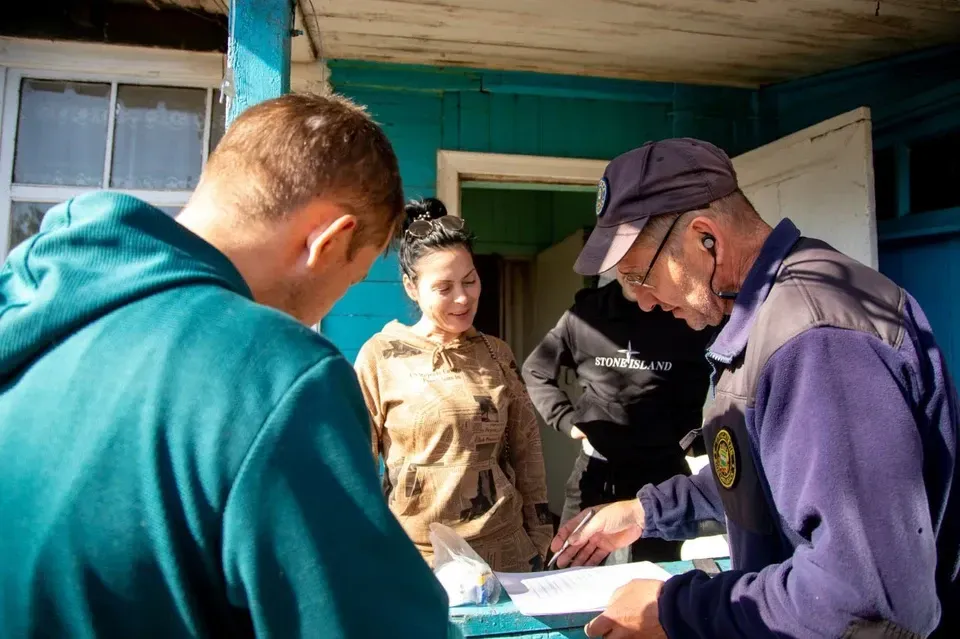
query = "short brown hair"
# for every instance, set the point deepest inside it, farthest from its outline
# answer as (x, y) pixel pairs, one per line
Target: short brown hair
(280, 154)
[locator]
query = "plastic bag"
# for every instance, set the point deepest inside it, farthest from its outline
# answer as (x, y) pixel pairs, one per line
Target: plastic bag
(463, 574)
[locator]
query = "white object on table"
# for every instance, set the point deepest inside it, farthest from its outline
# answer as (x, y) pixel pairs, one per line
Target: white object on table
(560, 592)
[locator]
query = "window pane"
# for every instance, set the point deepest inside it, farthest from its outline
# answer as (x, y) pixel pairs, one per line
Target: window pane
(25, 218)
(158, 140)
(885, 183)
(218, 120)
(61, 133)
(934, 173)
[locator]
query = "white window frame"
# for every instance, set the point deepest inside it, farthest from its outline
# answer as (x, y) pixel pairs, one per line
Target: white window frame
(10, 192)
(86, 62)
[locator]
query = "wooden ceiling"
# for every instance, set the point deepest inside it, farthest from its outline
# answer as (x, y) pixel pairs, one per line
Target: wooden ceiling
(729, 42)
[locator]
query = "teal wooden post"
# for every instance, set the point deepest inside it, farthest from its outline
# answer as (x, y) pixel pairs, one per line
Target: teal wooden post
(258, 53)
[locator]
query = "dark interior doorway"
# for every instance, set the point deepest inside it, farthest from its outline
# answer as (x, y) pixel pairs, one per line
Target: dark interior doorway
(490, 270)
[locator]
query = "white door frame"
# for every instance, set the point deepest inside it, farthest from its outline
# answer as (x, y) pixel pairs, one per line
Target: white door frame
(456, 167)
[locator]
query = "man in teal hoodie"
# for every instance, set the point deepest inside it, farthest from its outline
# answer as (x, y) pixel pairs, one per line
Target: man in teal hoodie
(179, 455)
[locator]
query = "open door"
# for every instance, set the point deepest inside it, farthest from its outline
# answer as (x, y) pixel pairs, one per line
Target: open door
(554, 286)
(822, 179)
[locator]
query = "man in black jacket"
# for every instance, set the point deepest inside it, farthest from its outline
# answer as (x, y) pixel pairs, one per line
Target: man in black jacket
(644, 378)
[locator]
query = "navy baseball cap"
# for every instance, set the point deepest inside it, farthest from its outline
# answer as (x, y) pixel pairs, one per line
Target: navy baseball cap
(669, 176)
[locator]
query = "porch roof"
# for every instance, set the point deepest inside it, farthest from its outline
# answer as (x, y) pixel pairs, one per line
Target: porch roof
(728, 42)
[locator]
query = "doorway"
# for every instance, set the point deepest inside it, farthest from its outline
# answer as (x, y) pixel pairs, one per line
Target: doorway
(527, 238)
(489, 318)
(514, 226)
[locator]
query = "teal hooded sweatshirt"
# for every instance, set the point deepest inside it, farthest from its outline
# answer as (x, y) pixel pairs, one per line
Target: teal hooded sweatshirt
(177, 460)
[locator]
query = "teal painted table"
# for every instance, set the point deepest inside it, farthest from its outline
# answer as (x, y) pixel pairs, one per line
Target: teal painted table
(505, 622)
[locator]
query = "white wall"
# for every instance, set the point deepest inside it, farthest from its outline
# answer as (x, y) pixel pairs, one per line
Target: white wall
(822, 179)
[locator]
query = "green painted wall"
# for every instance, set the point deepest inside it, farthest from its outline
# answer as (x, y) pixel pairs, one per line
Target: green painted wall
(522, 223)
(424, 109)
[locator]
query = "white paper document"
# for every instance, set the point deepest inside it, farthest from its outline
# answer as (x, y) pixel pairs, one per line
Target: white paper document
(558, 592)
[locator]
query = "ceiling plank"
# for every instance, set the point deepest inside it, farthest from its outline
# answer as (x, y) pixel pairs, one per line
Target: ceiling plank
(762, 19)
(728, 42)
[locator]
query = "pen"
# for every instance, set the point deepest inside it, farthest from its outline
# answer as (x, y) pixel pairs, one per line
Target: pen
(566, 544)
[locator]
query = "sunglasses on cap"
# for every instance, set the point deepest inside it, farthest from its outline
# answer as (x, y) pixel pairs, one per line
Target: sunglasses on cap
(422, 228)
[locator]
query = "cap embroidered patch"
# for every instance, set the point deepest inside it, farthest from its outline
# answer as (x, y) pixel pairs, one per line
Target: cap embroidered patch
(725, 459)
(602, 197)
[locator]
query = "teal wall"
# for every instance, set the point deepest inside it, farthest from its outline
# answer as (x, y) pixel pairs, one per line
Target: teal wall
(424, 109)
(518, 223)
(891, 88)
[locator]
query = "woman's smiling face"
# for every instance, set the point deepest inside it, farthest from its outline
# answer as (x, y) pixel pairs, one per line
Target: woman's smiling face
(447, 289)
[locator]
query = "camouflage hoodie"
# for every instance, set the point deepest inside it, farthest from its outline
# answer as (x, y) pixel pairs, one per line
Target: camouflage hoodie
(460, 441)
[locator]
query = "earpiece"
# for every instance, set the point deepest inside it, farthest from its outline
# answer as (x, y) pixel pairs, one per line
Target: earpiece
(709, 242)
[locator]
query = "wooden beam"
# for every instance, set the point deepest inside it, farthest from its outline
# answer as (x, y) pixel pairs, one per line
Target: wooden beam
(301, 45)
(163, 26)
(139, 65)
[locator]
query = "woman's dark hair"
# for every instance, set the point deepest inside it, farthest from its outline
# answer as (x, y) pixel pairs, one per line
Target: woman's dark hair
(427, 238)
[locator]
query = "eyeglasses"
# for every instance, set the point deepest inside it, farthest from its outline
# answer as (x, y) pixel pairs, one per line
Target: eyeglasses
(635, 279)
(422, 228)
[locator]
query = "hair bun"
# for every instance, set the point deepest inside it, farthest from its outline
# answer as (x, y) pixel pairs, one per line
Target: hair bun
(423, 209)
(435, 207)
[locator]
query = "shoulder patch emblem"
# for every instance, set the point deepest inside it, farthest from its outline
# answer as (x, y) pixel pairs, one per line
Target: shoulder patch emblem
(725, 458)
(602, 188)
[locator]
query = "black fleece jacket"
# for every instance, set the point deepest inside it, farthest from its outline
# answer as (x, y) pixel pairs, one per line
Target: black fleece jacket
(644, 376)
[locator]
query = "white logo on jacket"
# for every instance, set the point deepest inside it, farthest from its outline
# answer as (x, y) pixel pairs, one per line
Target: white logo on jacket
(629, 363)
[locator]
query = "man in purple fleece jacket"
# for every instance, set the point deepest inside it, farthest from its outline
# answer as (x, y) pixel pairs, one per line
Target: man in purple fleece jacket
(832, 439)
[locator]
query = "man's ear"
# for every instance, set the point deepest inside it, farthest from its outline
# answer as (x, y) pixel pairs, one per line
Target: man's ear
(703, 227)
(327, 245)
(410, 287)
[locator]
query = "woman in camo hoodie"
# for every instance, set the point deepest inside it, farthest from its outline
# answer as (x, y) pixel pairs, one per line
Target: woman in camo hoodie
(450, 415)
